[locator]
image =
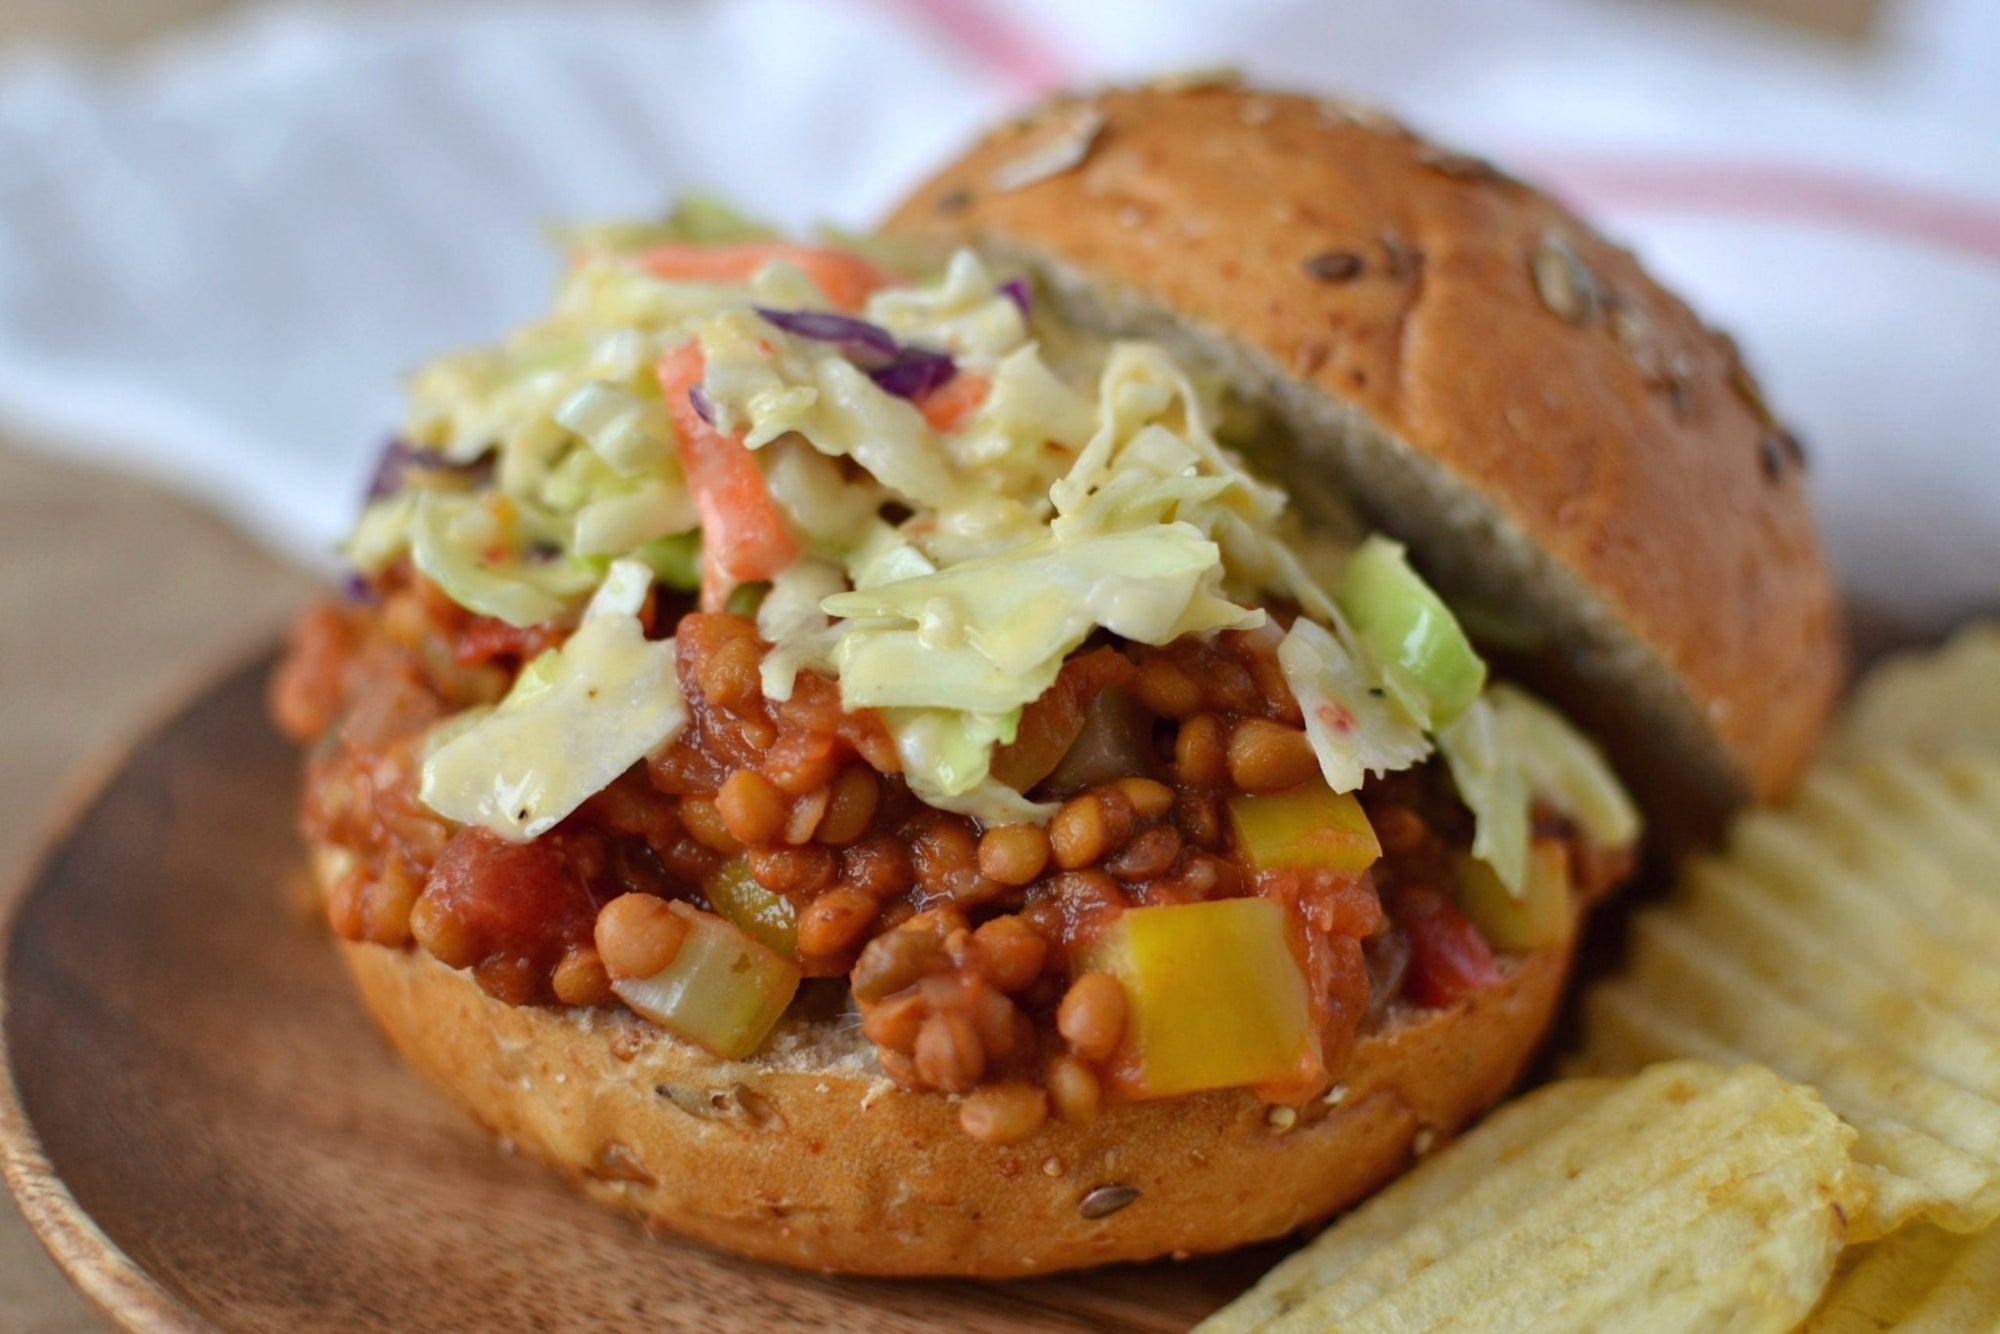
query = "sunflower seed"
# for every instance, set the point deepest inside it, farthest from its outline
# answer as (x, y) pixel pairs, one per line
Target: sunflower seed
(1064, 150)
(1772, 455)
(1777, 448)
(1200, 77)
(1629, 324)
(1746, 385)
(1404, 260)
(1680, 395)
(1335, 266)
(1459, 166)
(1340, 111)
(618, 1162)
(1106, 1201)
(737, 1104)
(1564, 280)
(955, 200)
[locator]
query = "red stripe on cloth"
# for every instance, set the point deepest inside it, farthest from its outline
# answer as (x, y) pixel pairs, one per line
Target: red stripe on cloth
(993, 39)
(1930, 218)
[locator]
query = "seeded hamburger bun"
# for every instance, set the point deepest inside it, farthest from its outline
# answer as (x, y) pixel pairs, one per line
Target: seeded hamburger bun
(807, 1155)
(1557, 437)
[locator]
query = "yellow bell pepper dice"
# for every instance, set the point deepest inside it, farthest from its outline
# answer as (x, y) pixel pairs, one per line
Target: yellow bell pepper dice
(1539, 915)
(1214, 999)
(723, 989)
(1310, 827)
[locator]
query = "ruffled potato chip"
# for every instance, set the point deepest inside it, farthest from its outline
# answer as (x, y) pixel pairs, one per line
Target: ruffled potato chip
(1851, 942)
(1921, 1279)
(1935, 702)
(1688, 1197)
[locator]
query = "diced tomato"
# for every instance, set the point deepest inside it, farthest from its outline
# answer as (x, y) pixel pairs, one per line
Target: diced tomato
(1330, 902)
(1449, 959)
(508, 911)
(743, 537)
(843, 276)
(947, 406)
(1051, 724)
(1329, 914)
(485, 638)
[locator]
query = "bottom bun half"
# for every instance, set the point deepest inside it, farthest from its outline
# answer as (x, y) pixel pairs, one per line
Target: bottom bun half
(806, 1155)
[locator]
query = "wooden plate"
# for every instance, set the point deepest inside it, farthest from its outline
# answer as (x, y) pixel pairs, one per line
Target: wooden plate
(205, 1129)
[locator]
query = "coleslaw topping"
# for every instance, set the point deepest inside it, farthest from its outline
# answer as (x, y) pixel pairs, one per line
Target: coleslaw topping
(941, 493)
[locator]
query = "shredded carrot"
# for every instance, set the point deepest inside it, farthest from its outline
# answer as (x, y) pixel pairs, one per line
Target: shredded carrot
(845, 277)
(743, 537)
(947, 406)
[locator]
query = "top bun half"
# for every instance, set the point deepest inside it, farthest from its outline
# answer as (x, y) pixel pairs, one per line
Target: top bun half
(1567, 449)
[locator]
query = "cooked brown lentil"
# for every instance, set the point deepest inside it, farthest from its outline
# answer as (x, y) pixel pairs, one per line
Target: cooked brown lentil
(1269, 757)
(1150, 797)
(1074, 1089)
(949, 1054)
(1201, 752)
(1092, 1016)
(1087, 828)
(638, 935)
(1010, 952)
(1013, 854)
(581, 978)
(850, 807)
(795, 872)
(1004, 1113)
(834, 921)
(751, 807)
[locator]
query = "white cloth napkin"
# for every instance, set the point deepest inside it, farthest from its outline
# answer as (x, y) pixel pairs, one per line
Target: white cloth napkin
(215, 265)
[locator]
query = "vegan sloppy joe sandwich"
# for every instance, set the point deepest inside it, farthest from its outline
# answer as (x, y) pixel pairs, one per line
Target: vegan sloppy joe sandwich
(1068, 730)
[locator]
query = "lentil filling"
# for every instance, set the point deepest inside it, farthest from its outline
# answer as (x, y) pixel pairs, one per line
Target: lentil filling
(965, 948)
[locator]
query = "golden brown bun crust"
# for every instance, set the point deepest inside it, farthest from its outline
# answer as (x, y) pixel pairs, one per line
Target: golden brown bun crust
(808, 1157)
(1590, 409)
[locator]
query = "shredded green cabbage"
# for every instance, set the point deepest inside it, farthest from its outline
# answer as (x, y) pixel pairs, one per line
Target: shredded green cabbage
(1355, 726)
(1510, 748)
(1491, 784)
(580, 716)
(947, 758)
(1564, 768)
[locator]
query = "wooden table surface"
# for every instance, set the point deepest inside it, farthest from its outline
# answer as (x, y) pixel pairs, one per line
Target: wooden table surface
(115, 598)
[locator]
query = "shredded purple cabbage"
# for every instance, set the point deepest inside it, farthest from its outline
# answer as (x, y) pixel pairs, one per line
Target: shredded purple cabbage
(914, 373)
(357, 589)
(399, 458)
(390, 465)
(866, 345)
(906, 372)
(699, 402)
(1016, 290)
